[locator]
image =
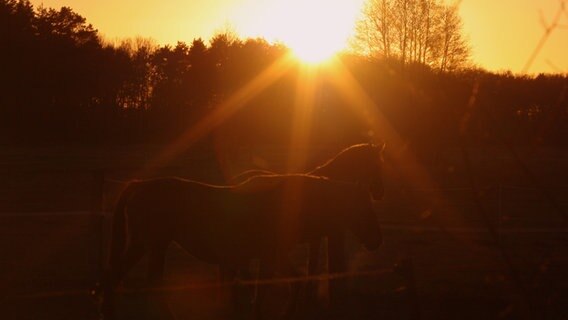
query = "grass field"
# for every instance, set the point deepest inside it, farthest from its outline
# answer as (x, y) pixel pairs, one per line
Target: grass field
(49, 253)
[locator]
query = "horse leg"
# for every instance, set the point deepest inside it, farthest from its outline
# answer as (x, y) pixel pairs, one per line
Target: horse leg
(115, 274)
(226, 276)
(292, 304)
(240, 297)
(265, 271)
(313, 263)
(156, 263)
(337, 264)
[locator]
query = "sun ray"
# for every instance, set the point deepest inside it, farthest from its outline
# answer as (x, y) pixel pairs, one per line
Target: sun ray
(403, 160)
(224, 111)
(299, 139)
(301, 125)
(360, 103)
(364, 107)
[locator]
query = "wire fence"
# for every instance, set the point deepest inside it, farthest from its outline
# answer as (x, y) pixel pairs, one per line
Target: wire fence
(100, 216)
(217, 284)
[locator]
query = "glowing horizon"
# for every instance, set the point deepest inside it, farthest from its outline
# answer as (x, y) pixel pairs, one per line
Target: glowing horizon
(292, 22)
(502, 34)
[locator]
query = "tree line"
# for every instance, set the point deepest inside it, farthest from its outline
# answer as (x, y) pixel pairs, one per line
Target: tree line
(62, 83)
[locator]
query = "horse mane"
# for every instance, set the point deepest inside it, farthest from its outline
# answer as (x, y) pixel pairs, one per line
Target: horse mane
(246, 175)
(165, 179)
(339, 155)
(268, 181)
(336, 161)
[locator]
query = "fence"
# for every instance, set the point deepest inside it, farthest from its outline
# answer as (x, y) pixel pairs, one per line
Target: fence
(502, 198)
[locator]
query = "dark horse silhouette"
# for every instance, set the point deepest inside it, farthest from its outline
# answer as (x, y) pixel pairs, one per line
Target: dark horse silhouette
(360, 163)
(262, 218)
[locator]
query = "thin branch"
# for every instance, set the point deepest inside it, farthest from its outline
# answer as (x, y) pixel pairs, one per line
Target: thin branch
(548, 29)
(554, 67)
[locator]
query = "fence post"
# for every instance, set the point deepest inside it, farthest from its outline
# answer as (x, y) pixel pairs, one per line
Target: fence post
(96, 224)
(406, 269)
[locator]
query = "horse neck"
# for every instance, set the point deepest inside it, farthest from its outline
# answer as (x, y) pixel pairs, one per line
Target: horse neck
(339, 168)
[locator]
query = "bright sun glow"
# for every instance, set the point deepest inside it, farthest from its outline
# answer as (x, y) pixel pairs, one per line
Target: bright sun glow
(311, 53)
(315, 30)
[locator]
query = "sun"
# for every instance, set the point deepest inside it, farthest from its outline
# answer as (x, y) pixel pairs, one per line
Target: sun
(314, 53)
(314, 30)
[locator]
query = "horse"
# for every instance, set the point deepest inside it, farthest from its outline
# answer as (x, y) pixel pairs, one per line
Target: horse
(230, 225)
(359, 163)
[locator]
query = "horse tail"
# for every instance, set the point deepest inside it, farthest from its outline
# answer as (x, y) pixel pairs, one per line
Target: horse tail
(119, 231)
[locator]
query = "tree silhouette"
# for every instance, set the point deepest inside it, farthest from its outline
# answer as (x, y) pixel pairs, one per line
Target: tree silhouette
(60, 83)
(65, 25)
(453, 49)
(413, 31)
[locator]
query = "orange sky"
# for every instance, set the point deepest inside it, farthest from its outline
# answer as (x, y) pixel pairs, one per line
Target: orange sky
(503, 33)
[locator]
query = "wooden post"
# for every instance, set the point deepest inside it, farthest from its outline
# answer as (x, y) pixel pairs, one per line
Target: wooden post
(406, 269)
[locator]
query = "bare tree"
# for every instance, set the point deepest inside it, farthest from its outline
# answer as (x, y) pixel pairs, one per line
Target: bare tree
(375, 35)
(454, 50)
(413, 31)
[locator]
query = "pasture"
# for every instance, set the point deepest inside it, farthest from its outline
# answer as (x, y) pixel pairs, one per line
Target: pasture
(49, 241)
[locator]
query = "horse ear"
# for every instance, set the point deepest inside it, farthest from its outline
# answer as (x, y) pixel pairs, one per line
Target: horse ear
(381, 145)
